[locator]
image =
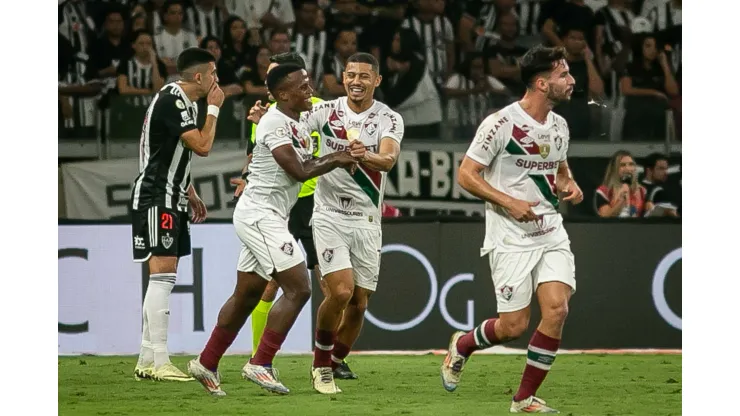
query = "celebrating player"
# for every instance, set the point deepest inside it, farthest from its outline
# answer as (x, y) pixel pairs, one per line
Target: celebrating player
(161, 194)
(280, 162)
(346, 219)
(300, 216)
(521, 153)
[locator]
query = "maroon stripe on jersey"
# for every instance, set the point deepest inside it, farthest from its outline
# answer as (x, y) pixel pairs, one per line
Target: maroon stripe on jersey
(527, 143)
(374, 175)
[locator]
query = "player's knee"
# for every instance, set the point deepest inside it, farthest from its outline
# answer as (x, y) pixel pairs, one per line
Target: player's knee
(341, 294)
(298, 293)
(556, 312)
(514, 327)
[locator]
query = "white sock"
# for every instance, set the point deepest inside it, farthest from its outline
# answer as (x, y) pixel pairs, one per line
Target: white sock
(146, 354)
(157, 308)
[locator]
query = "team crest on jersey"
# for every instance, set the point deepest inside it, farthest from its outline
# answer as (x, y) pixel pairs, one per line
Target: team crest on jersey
(167, 240)
(328, 255)
(179, 104)
(287, 248)
(371, 128)
(507, 292)
(544, 150)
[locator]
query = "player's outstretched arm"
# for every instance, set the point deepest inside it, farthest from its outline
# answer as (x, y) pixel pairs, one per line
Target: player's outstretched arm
(469, 177)
(290, 162)
(382, 161)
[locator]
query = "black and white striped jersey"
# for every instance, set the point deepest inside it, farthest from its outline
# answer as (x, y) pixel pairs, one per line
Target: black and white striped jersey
(614, 21)
(164, 161)
(76, 25)
(76, 68)
(434, 36)
(313, 48)
(204, 23)
(485, 13)
(139, 75)
(666, 20)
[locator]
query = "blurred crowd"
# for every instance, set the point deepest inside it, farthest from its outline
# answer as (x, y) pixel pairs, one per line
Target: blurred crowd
(445, 64)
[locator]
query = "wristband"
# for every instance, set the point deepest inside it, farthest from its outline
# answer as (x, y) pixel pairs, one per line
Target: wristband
(213, 110)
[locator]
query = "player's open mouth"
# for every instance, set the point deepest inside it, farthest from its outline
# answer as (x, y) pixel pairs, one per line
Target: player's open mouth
(356, 90)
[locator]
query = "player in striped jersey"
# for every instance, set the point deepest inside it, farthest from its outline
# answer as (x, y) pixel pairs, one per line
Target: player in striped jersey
(518, 165)
(162, 192)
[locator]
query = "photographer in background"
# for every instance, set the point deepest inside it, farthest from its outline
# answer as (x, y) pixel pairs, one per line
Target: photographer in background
(620, 195)
(656, 175)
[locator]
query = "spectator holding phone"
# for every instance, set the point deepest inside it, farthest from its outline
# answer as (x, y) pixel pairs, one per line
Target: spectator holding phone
(620, 195)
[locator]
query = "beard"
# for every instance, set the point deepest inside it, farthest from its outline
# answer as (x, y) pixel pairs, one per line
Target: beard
(557, 96)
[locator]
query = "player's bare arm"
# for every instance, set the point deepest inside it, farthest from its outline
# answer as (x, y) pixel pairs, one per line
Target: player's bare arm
(241, 182)
(201, 141)
(199, 207)
(566, 184)
(382, 161)
(469, 177)
(290, 162)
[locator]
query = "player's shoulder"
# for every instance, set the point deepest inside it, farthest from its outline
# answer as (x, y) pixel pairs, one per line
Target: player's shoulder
(560, 124)
(498, 120)
(321, 105)
(388, 113)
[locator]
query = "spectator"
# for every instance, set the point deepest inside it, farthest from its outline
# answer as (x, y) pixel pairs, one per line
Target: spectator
(383, 17)
(573, 14)
(476, 28)
(226, 73)
(205, 19)
(577, 111)
(619, 194)
(410, 89)
(345, 15)
(156, 13)
(236, 50)
(111, 49)
(173, 39)
(656, 175)
(254, 79)
(78, 85)
(344, 46)
(647, 85)
(272, 15)
(75, 24)
(503, 56)
(279, 42)
(612, 33)
(143, 73)
(470, 95)
(308, 40)
(140, 19)
(665, 20)
(437, 38)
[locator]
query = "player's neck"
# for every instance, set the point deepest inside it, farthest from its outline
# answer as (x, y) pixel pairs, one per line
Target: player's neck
(537, 106)
(190, 89)
(360, 107)
(295, 115)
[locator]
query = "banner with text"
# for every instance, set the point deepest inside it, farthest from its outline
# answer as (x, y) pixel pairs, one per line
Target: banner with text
(101, 291)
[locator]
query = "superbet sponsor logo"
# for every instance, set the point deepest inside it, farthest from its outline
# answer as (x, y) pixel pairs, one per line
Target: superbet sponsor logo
(534, 165)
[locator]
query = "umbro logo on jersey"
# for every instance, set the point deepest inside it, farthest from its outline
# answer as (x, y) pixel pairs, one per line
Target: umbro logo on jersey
(287, 248)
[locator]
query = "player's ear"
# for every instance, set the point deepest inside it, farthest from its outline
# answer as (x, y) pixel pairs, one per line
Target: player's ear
(378, 79)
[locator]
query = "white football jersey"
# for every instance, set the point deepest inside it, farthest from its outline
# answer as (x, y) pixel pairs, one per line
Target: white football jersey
(521, 158)
(269, 186)
(355, 198)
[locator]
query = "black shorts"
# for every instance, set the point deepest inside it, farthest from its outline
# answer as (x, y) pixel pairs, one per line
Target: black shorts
(160, 231)
(299, 225)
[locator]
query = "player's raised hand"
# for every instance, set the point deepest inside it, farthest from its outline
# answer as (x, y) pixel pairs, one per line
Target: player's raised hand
(522, 210)
(215, 96)
(575, 195)
(256, 112)
(199, 209)
(357, 150)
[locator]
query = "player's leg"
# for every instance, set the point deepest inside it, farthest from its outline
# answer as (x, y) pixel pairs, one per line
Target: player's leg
(512, 281)
(168, 238)
(365, 257)
(333, 253)
(250, 284)
(555, 277)
(142, 253)
(259, 316)
(278, 253)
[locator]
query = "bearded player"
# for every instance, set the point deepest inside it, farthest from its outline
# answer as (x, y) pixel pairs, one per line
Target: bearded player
(518, 165)
(346, 218)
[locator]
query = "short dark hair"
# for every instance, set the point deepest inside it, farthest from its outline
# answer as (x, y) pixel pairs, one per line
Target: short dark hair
(279, 32)
(653, 158)
(537, 60)
(191, 57)
(365, 58)
(300, 3)
(277, 76)
(169, 3)
(289, 58)
(135, 35)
